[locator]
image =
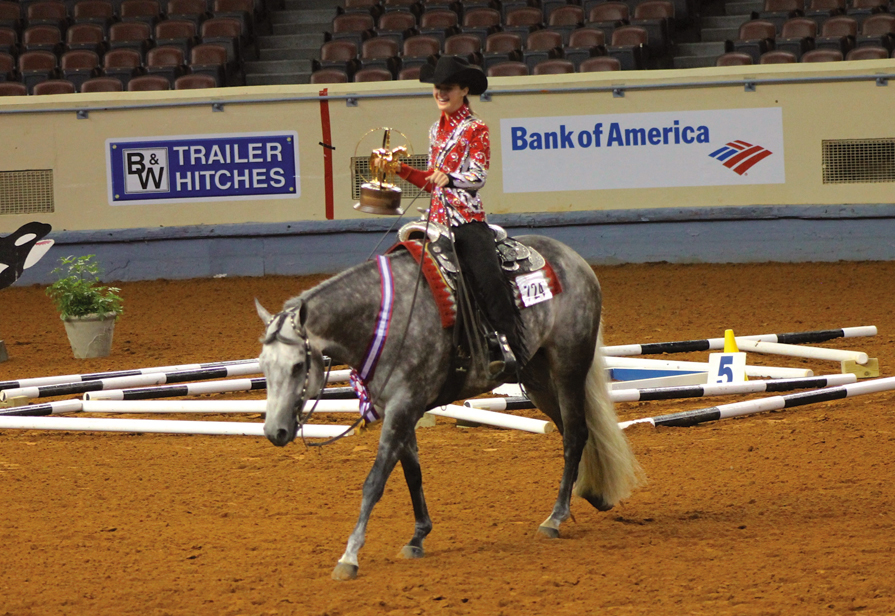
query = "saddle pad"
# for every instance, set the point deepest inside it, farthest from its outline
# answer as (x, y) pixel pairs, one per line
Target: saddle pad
(443, 293)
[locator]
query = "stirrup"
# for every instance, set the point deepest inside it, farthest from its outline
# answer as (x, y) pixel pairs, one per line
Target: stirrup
(503, 361)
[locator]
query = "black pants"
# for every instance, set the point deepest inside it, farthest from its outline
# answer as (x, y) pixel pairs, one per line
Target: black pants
(474, 242)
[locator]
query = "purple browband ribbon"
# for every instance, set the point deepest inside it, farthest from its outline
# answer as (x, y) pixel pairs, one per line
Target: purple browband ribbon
(360, 378)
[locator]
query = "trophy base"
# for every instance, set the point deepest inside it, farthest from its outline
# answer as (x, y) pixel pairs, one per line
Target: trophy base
(379, 200)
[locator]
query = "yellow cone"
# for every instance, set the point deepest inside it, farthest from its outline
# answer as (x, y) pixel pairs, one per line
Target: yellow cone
(730, 342)
(730, 345)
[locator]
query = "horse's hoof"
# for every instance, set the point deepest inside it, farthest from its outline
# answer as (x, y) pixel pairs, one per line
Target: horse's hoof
(344, 571)
(411, 551)
(548, 532)
(598, 503)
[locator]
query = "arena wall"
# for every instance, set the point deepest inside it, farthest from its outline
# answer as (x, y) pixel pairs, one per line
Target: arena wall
(682, 215)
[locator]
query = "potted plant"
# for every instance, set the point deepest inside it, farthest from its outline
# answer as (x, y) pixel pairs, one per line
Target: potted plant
(88, 309)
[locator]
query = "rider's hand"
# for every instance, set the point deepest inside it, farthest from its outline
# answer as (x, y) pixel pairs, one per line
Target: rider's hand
(439, 178)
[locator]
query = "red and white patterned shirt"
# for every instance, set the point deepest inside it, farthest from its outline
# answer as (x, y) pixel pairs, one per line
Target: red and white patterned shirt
(460, 146)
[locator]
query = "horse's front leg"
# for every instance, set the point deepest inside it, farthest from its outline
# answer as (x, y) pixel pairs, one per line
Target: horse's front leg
(413, 474)
(392, 443)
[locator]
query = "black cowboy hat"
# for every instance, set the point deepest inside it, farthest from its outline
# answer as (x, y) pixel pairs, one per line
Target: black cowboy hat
(454, 69)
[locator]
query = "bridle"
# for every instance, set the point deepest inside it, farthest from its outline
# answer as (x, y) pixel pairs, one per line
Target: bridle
(279, 320)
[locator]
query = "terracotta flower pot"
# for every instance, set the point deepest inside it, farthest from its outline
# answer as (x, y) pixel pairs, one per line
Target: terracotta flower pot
(90, 335)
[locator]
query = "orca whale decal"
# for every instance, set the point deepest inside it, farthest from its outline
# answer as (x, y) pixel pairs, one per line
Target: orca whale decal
(22, 249)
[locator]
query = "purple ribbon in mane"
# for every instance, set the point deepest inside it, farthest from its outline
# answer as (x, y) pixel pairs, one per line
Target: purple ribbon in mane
(360, 378)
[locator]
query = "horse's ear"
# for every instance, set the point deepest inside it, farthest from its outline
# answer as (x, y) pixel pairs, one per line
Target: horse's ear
(264, 314)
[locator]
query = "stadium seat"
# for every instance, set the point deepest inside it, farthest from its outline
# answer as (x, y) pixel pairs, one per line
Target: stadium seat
(12, 88)
(419, 50)
(607, 16)
(838, 33)
(868, 53)
(402, 5)
(630, 44)
(354, 27)
(734, 58)
(7, 67)
(79, 65)
(822, 55)
(381, 52)
(167, 62)
(223, 31)
(553, 67)
(329, 75)
(37, 66)
(599, 64)
(501, 47)
(509, 69)
(102, 84)
(821, 10)
(778, 11)
(9, 41)
(178, 33)
(144, 11)
(565, 19)
(99, 12)
(148, 83)
(194, 11)
(47, 38)
(657, 18)
(411, 73)
(373, 74)
(542, 45)
(371, 7)
(88, 36)
(467, 45)
(481, 22)
(241, 10)
(778, 57)
(194, 82)
(54, 86)
(47, 13)
(797, 36)
(583, 44)
(134, 35)
(210, 59)
(122, 64)
(439, 23)
(338, 54)
(523, 20)
(862, 9)
(878, 31)
(755, 37)
(10, 14)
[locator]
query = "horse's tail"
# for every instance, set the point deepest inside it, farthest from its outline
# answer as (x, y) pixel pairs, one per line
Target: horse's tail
(608, 471)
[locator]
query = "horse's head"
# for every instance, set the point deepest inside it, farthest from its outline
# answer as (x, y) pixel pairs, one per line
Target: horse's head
(287, 360)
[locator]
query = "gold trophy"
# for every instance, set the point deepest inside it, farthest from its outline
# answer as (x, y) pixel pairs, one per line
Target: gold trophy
(378, 194)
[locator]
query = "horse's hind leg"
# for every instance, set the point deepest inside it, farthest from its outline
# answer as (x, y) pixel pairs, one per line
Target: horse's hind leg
(568, 403)
(413, 475)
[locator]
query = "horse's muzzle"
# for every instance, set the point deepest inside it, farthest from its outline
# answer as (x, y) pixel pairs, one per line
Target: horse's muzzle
(281, 436)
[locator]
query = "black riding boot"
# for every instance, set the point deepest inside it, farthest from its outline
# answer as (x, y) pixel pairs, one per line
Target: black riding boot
(477, 254)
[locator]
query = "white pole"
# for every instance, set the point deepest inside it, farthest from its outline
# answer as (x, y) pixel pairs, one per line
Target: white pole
(207, 406)
(338, 376)
(140, 380)
(751, 371)
(500, 420)
(809, 352)
(156, 426)
(187, 389)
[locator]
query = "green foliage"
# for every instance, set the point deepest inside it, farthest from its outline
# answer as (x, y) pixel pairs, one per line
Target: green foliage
(78, 293)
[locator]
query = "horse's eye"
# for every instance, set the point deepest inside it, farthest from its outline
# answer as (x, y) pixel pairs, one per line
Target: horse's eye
(296, 370)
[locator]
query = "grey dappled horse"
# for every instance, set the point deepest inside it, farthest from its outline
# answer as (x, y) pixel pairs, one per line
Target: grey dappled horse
(564, 377)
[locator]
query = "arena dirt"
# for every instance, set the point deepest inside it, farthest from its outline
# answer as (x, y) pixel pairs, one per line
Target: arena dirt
(788, 512)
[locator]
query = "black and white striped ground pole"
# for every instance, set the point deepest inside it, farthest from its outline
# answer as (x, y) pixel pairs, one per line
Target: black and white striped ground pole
(197, 389)
(697, 416)
(714, 344)
(684, 391)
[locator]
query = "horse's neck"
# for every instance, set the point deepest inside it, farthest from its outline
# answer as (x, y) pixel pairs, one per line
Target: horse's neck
(342, 313)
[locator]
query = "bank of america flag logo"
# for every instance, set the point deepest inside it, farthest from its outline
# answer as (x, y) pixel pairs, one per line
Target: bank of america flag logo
(740, 156)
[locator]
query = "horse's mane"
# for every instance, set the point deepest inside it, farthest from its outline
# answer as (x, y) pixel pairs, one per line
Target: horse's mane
(305, 296)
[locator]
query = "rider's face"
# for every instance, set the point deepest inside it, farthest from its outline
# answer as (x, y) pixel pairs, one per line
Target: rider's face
(449, 96)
